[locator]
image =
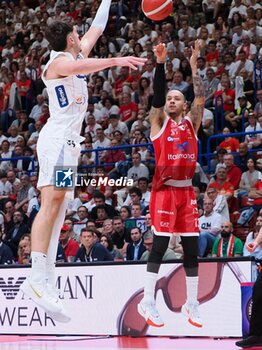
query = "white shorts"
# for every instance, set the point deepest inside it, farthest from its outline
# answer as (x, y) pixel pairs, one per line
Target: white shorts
(55, 153)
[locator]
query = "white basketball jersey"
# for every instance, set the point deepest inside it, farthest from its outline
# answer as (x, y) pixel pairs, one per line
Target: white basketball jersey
(68, 100)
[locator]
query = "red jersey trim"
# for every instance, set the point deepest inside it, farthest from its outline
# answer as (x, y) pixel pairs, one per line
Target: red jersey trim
(160, 132)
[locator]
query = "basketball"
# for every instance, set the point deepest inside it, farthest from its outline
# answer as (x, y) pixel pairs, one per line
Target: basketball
(157, 9)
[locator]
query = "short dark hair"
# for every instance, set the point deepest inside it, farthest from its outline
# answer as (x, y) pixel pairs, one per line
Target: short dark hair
(87, 229)
(138, 228)
(115, 218)
(143, 179)
(57, 34)
(99, 194)
(135, 190)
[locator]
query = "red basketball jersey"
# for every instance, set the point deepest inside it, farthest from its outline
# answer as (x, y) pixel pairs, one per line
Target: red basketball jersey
(175, 152)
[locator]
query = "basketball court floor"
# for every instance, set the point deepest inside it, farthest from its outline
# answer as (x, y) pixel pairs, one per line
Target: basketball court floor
(113, 343)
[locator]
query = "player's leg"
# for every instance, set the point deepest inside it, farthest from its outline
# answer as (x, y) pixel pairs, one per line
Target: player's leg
(162, 222)
(35, 285)
(53, 244)
(147, 307)
(187, 226)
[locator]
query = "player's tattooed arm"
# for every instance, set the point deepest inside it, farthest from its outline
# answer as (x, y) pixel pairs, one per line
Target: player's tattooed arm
(197, 108)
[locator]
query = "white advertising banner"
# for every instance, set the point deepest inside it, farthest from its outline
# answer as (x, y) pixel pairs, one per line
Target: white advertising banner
(102, 299)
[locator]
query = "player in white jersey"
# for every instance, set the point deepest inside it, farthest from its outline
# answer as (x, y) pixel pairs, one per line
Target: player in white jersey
(59, 145)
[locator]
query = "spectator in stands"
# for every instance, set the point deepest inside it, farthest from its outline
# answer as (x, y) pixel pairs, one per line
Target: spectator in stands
(128, 110)
(255, 194)
(211, 84)
(101, 141)
(230, 144)
(134, 197)
(13, 235)
(6, 255)
(235, 118)
(228, 245)
(81, 219)
(99, 199)
(23, 87)
(107, 228)
(169, 73)
(186, 34)
(116, 125)
(233, 172)
(106, 241)
(219, 160)
(170, 254)
(136, 211)
(11, 177)
(257, 254)
(136, 248)
(179, 83)
(9, 209)
(258, 106)
(243, 156)
(209, 227)
(69, 245)
(142, 184)
(248, 178)
(249, 48)
(120, 236)
(227, 94)
(34, 136)
(112, 156)
(208, 122)
(20, 165)
(212, 55)
(119, 81)
(24, 250)
(220, 203)
(200, 201)
(69, 222)
(125, 212)
(243, 63)
(37, 109)
(92, 126)
(223, 186)
(138, 169)
(90, 249)
(253, 125)
(22, 195)
(87, 158)
(13, 130)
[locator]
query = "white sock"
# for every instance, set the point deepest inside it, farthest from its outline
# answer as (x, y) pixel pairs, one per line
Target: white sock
(150, 285)
(38, 271)
(53, 244)
(192, 288)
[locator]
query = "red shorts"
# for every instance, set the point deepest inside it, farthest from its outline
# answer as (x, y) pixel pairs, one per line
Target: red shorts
(174, 210)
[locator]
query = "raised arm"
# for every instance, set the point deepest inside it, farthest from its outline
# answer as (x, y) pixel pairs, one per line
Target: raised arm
(62, 66)
(98, 25)
(157, 115)
(197, 109)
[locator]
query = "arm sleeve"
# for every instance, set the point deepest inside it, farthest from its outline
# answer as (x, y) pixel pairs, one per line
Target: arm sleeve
(159, 86)
(102, 14)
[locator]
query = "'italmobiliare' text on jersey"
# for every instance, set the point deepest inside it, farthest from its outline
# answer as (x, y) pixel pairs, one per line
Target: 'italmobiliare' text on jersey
(175, 152)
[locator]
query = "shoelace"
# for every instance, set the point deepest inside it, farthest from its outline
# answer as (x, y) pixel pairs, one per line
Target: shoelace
(194, 310)
(153, 310)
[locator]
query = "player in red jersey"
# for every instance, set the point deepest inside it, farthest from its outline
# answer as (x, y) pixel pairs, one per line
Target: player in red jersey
(173, 206)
